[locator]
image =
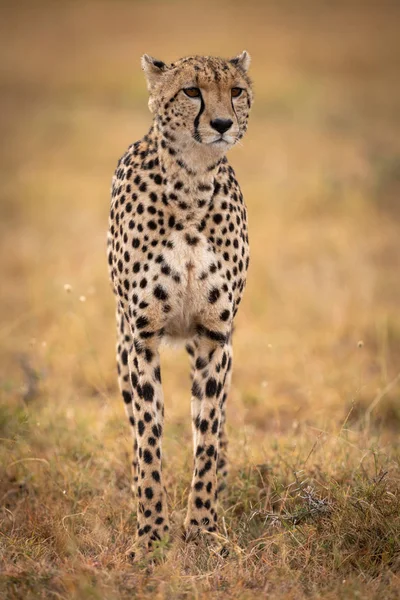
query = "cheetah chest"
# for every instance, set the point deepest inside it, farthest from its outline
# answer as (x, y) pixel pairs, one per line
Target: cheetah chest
(193, 265)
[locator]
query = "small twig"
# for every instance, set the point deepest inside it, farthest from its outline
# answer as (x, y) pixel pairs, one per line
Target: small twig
(381, 477)
(224, 526)
(30, 459)
(312, 449)
(67, 517)
(347, 417)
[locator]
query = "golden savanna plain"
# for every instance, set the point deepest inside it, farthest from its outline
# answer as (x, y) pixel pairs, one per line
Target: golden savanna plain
(312, 508)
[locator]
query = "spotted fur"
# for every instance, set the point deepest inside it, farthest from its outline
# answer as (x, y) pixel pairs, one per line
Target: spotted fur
(178, 256)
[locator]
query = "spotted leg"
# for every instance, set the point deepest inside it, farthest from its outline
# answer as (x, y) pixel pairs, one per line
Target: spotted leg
(192, 350)
(124, 342)
(144, 366)
(208, 382)
(222, 464)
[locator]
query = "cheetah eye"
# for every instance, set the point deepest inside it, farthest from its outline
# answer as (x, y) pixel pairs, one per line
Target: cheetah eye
(192, 92)
(236, 92)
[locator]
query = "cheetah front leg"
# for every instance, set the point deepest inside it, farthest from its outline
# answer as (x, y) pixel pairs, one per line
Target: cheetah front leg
(152, 515)
(124, 342)
(192, 350)
(222, 464)
(208, 384)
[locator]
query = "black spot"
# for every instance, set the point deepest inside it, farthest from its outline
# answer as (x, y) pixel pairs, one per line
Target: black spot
(159, 64)
(145, 335)
(224, 360)
(141, 322)
(217, 219)
(201, 363)
(206, 468)
(211, 387)
(148, 492)
(148, 353)
(210, 451)
(192, 240)
(157, 374)
(199, 450)
(148, 392)
(217, 187)
(214, 295)
(203, 425)
(204, 187)
(147, 457)
(196, 390)
(160, 293)
(127, 396)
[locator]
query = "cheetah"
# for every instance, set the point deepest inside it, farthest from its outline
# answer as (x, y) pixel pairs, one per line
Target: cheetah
(178, 255)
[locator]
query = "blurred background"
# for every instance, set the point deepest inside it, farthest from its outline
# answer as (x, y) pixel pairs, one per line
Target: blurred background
(320, 170)
(317, 341)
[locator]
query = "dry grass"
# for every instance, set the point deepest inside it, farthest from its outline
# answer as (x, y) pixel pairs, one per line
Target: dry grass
(313, 505)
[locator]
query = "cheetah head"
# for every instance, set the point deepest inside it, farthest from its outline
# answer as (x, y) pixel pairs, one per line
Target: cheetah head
(200, 103)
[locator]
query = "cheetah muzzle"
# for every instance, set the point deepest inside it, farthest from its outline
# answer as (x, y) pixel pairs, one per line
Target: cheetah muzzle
(178, 256)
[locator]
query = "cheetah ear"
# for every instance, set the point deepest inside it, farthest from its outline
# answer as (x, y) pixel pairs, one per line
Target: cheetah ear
(152, 68)
(242, 61)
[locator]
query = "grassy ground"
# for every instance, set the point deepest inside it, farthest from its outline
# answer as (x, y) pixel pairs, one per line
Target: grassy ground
(313, 506)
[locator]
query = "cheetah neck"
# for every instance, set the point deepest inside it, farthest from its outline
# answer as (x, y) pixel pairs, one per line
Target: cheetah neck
(189, 175)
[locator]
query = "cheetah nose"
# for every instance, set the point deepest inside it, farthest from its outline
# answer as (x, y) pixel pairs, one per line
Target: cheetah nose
(221, 125)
